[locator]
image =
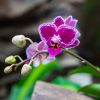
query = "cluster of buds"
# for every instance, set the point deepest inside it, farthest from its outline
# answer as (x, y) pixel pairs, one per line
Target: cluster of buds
(20, 41)
(33, 52)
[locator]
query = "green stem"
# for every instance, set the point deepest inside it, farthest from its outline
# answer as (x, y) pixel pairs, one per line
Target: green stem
(29, 40)
(23, 61)
(17, 56)
(82, 59)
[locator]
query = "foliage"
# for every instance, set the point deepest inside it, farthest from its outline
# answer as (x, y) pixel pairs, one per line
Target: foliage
(85, 69)
(24, 88)
(92, 90)
(66, 83)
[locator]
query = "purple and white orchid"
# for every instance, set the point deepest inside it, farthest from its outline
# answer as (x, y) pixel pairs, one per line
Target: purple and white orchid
(41, 58)
(59, 34)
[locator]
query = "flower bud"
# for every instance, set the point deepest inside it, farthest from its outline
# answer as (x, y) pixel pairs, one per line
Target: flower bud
(26, 69)
(19, 40)
(8, 69)
(10, 60)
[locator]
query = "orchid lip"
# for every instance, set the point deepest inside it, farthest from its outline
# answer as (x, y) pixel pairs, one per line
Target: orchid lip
(55, 41)
(55, 45)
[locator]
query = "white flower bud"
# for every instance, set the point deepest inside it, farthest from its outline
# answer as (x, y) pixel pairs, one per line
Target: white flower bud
(26, 69)
(19, 40)
(8, 69)
(10, 60)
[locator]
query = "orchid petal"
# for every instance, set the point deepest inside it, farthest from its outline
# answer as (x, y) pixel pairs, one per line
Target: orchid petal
(68, 19)
(78, 34)
(75, 43)
(46, 31)
(49, 42)
(54, 51)
(49, 59)
(42, 46)
(71, 22)
(66, 34)
(36, 62)
(43, 56)
(30, 51)
(58, 21)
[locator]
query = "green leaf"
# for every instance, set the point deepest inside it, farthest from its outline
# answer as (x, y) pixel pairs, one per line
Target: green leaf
(66, 83)
(25, 86)
(85, 69)
(92, 90)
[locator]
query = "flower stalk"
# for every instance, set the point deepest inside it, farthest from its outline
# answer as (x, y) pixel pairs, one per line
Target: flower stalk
(26, 38)
(31, 58)
(17, 56)
(65, 51)
(82, 59)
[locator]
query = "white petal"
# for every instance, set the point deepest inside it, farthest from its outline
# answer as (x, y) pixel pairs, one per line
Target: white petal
(36, 62)
(48, 60)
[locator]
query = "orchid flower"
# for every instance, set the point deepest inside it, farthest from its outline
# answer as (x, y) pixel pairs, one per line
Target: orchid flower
(59, 34)
(32, 49)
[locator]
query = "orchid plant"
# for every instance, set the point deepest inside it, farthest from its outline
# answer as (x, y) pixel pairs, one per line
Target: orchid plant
(57, 36)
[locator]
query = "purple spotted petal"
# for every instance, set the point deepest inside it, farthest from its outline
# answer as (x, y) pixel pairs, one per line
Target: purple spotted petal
(67, 34)
(42, 46)
(30, 51)
(47, 30)
(71, 22)
(53, 51)
(49, 42)
(58, 21)
(75, 43)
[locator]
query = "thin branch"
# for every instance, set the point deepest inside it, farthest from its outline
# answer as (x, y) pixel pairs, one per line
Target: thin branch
(18, 57)
(82, 59)
(22, 62)
(29, 40)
